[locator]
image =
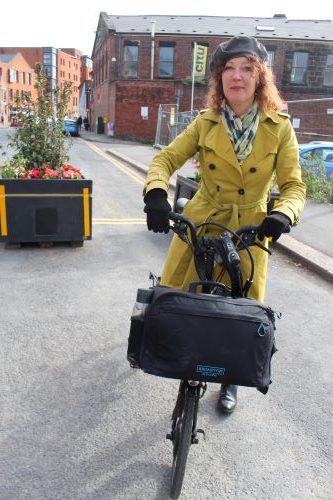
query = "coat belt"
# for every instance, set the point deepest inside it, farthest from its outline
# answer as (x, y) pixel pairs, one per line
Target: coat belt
(233, 208)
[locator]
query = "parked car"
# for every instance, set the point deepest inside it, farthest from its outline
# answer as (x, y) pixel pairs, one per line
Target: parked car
(317, 153)
(71, 127)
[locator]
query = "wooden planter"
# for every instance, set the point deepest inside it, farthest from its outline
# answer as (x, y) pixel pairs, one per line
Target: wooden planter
(187, 187)
(45, 211)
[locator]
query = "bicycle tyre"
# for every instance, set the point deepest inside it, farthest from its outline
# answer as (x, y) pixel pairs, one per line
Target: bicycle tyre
(182, 443)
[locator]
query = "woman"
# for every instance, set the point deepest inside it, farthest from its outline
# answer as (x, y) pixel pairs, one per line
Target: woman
(242, 140)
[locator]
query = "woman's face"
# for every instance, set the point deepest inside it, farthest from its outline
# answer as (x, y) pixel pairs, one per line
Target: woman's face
(239, 83)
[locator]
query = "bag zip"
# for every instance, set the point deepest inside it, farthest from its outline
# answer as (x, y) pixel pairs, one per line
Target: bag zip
(271, 312)
(225, 316)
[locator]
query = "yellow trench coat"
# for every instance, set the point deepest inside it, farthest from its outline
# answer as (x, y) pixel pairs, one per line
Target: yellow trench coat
(231, 193)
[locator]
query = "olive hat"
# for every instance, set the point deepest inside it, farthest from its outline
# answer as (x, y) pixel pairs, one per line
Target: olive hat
(236, 47)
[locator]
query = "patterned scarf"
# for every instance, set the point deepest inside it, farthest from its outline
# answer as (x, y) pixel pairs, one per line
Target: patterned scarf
(241, 130)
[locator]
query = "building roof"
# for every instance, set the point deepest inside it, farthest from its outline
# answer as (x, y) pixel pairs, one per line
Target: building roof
(7, 58)
(278, 26)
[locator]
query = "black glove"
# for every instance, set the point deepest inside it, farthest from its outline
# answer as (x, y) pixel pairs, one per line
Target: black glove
(157, 209)
(273, 226)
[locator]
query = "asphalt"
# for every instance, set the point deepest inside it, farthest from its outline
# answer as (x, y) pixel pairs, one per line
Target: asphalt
(310, 242)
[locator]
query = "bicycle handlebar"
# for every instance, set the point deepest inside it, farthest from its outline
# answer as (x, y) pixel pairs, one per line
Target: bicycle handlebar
(250, 230)
(226, 247)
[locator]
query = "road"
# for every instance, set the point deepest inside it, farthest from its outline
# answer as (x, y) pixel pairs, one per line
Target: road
(78, 423)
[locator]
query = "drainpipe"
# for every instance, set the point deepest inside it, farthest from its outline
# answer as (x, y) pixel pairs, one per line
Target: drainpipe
(152, 55)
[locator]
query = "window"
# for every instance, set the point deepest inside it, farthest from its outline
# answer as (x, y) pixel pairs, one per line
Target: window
(29, 78)
(328, 73)
(300, 63)
(270, 59)
(12, 76)
(47, 58)
(166, 59)
(131, 56)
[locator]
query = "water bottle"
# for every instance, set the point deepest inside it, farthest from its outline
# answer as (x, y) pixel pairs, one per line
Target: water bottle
(143, 299)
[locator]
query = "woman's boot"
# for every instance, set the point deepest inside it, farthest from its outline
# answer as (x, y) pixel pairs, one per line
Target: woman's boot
(228, 398)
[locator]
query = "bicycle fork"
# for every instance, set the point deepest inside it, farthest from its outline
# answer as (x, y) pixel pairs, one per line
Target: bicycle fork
(195, 390)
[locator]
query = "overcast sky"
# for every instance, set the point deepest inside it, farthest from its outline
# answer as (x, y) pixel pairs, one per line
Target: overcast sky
(69, 23)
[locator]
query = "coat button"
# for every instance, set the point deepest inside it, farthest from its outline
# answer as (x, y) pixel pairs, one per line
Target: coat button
(241, 191)
(253, 169)
(217, 188)
(212, 166)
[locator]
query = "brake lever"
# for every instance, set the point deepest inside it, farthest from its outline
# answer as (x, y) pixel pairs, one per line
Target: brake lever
(260, 245)
(180, 228)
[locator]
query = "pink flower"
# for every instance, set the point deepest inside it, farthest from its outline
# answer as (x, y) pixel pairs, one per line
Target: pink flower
(35, 173)
(51, 173)
(70, 172)
(70, 167)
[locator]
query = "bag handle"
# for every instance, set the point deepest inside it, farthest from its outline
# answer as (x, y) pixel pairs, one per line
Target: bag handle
(206, 285)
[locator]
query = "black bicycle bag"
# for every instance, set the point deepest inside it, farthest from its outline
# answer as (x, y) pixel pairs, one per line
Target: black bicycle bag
(205, 337)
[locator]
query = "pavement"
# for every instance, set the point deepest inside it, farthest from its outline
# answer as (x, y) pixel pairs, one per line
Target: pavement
(310, 242)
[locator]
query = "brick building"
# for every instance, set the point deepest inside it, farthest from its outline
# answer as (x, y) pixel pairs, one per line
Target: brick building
(60, 65)
(141, 62)
(17, 79)
(85, 87)
(69, 69)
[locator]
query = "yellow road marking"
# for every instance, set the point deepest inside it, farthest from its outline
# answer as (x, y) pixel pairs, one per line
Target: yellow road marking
(127, 170)
(121, 166)
(96, 221)
(100, 219)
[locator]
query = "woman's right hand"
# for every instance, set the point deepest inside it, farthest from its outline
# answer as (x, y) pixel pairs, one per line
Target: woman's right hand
(157, 209)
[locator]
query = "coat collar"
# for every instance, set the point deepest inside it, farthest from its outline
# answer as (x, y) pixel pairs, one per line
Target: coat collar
(217, 139)
(265, 142)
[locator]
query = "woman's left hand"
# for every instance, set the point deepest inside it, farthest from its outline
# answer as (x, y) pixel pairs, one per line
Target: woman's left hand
(273, 226)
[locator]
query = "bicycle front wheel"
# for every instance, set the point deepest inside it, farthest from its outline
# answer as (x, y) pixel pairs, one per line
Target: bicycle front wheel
(182, 441)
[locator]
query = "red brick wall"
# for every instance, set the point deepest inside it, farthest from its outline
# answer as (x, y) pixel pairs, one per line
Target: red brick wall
(9, 90)
(313, 116)
(131, 95)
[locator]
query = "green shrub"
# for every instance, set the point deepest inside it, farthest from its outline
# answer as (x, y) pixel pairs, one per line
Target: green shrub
(318, 186)
(39, 140)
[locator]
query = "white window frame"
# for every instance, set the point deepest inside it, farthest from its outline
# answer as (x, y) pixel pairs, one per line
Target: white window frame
(299, 68)
(328, 72)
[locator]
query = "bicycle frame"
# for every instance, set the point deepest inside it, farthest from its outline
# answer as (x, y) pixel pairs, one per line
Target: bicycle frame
(207, 251)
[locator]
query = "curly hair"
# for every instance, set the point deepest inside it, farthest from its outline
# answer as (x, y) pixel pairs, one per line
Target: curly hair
(266, 94)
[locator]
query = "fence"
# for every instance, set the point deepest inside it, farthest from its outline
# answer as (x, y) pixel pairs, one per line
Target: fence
(170, 123)
(312, 120)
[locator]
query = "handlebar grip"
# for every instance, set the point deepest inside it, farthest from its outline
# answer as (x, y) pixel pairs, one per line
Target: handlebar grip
(175, 217)
(180, 219)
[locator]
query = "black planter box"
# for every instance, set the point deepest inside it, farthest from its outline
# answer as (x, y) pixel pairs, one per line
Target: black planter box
(187, 187)
(45, 210)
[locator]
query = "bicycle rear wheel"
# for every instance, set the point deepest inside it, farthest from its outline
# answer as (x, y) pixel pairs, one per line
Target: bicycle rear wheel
(182, 439)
